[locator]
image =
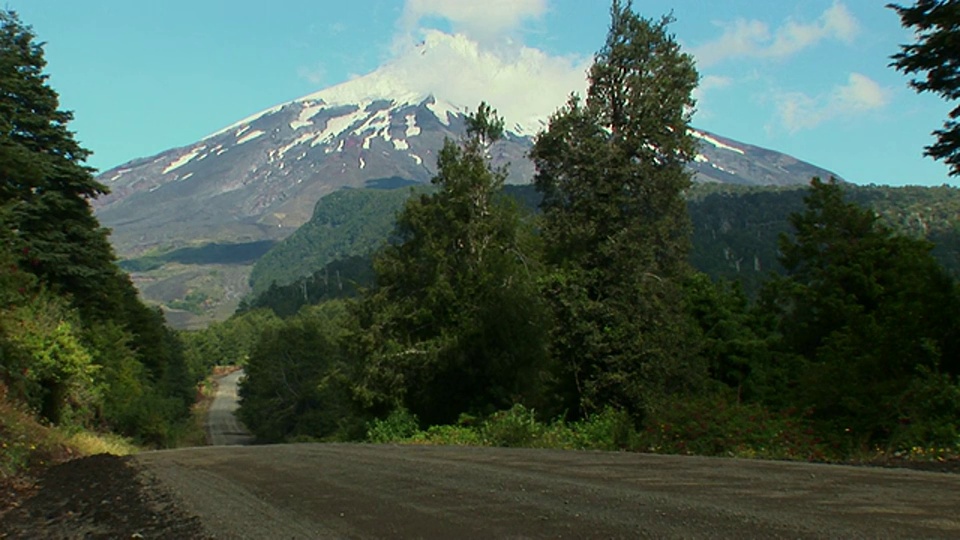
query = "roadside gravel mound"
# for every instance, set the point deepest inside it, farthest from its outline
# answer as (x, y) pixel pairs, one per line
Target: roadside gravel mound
(98, 497)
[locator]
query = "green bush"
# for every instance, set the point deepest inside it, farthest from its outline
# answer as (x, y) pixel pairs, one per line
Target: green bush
(929, 414)
(515, 427)
(398, 426)
(449, 436)
(715, 426)
(611, 429)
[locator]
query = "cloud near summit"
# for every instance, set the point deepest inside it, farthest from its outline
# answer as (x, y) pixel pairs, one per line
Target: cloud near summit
(479, 20)
(484, 58)
(524, 84)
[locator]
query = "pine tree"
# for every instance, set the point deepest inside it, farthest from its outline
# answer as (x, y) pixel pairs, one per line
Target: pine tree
(615, 223)
(48, 227)
(865, 311)
(454, 324)
(44, 184)
(936, 53)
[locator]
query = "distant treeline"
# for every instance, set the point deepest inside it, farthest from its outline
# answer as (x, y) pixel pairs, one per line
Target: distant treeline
(604, 320)
(735, 237)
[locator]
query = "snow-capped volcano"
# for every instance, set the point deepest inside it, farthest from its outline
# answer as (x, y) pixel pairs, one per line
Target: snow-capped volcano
(259, 179)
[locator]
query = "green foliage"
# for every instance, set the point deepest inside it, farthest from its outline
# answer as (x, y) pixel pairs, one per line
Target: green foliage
(928, 412)
(398, 426)
(455, 324)
(227, 343)
(863, 309)
(44, 360)
(59, 284)
(346, 223)
(296, 379)
(712, 425)
(615, 225)
(936, 25)
(514, 427)
(735, 342)
(343, 278)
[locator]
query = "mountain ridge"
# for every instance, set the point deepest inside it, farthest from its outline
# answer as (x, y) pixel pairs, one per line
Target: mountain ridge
(258, 180)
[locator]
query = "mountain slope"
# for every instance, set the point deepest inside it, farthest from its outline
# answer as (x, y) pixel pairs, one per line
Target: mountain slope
(256, 181)
(735, 232)
(259, 179)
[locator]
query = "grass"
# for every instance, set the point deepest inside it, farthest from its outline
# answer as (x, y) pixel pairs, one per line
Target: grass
(28, 446)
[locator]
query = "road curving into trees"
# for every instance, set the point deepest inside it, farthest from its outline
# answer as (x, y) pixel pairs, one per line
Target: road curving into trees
(367, 491)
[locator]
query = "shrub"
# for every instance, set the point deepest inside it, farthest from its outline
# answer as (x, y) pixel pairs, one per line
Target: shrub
(714, 426)
(611, 429)
(449, 436)
(929, 414)
(398, 426)
(515, 427)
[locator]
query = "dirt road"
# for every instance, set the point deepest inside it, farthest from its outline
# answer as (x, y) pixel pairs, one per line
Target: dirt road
(223, 428)
(367, 491)
(363, 491)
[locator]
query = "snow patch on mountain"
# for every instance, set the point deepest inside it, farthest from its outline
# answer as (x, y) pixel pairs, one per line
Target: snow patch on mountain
(715, 142)
(183, 160)
(250, 136)
(339, 124)
(306, 114)
(282, 151)
(412, 128)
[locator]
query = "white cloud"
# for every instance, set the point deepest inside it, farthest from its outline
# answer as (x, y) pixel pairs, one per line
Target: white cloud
(708, 83)
(754, 39)
(479, 61)
(861, 93)
(478, 19)
(523, 84)
(797, 111)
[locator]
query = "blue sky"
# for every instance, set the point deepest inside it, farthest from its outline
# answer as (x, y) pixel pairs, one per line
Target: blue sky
(809, 77)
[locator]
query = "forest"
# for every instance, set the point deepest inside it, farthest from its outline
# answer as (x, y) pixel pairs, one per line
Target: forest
(735, 235)
(586, 324)
(79, 351)
(584, 312)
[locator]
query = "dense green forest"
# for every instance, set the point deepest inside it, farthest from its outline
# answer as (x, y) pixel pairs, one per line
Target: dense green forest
(736, 230)
(345, 223)
(604, 320)
(77, 346)
(613, 304)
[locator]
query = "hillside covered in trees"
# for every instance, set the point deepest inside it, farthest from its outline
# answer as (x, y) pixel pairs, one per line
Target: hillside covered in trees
(78, 349)
(736, 230)
(604, 320)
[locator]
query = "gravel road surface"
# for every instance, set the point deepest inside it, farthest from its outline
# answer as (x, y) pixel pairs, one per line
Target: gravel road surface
(223, 428)
(366, 491)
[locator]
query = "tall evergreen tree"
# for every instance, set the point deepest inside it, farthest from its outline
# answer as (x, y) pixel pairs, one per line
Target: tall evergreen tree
(454, 325)
(43, 181)
(936, 53)
(615, 223)
(865, 311)
(48, 227)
